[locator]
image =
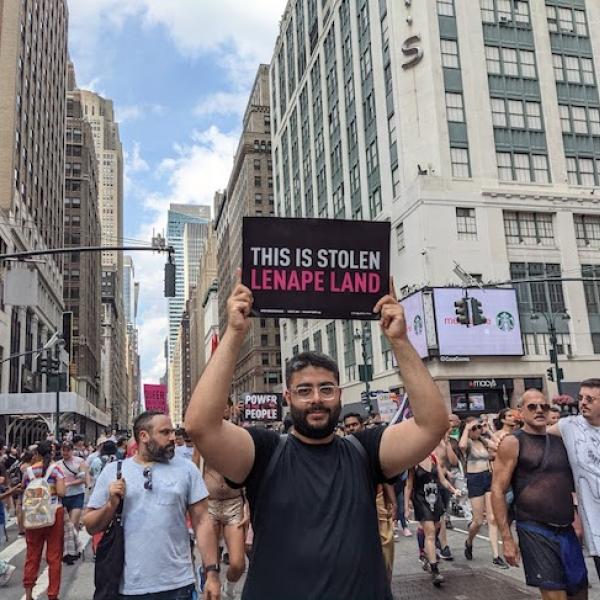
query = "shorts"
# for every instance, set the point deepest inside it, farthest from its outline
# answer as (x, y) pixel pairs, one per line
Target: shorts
(479, 484)
(227, 512)
(71, 502)
(552, 557)
(445, 495)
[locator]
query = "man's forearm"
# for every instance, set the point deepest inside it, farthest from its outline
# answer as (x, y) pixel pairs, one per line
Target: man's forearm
(98, 520)
(209, 399)
(500, 509)
(427, 405)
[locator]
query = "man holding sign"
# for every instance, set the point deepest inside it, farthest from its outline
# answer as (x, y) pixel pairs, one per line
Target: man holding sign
(307, 489)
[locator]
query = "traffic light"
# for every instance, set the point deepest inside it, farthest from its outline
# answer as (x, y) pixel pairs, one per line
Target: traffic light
(462, 311)
(550, 374)
(477, 312)
(559, 374)
(170, 280)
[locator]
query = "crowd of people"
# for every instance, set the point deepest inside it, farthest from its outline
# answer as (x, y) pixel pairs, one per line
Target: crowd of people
(277, 507)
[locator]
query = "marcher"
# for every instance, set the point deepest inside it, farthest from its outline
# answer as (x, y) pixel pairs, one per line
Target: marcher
(312, 495)
(158, 490)
(53, 535)
(423, 487)
(506, 423)
(536, 465)
(75, 472)
(353, 422)
(581, 436)
(185, 449)
(553, 415)
(479, 485)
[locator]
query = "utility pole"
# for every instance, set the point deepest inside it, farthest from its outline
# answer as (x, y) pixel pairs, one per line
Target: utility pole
(366, 374)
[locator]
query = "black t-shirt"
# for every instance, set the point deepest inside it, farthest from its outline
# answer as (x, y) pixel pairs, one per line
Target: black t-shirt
(315, 532)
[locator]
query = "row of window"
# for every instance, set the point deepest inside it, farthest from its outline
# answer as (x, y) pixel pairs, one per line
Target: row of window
(522, 228)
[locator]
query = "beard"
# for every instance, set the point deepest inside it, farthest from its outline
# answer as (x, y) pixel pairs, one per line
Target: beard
(302, 426)
(161, 454)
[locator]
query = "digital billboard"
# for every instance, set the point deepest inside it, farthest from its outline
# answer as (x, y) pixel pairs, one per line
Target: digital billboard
(415, 322)
(500, 335)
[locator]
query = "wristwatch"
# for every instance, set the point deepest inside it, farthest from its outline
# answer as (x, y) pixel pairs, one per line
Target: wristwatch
(215, 568)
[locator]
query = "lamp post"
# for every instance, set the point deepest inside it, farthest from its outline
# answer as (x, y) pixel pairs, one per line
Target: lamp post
(364, 337)
(551, 318)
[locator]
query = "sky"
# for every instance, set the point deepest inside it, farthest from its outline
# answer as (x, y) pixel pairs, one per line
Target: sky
(179, 73)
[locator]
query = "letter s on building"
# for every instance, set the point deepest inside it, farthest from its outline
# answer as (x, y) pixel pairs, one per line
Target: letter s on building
(414, 52)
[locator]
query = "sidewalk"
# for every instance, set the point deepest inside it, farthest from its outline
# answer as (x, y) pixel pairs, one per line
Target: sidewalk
(465, 580)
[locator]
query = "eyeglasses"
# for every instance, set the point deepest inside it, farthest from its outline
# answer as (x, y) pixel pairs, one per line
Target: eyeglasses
(148, 477)
(476, 427)
(326, 391)
(587, 399)
(534, 407)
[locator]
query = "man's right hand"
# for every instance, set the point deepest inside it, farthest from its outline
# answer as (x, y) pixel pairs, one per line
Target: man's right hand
(512, 555)
(116, 491)
(239, 306)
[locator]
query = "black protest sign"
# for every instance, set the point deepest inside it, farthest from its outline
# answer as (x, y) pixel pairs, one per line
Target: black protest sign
(315, 268)
(261, 407)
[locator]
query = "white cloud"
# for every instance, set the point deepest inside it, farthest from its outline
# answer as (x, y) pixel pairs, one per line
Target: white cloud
(135, 162)
(135, 112)
(242, 34)
(192, 175)
(222, 103)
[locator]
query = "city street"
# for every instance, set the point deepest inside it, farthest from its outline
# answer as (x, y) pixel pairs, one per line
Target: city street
(476, 580)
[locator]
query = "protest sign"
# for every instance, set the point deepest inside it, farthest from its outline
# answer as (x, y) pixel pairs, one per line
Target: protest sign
(261, 407)
(315, 268)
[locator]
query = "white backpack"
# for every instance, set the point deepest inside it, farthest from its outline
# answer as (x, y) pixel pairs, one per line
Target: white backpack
(38, 509)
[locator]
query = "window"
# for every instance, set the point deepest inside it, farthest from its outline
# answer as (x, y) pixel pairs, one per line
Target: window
(257, 181)
(499, 112)
(566, 20)
(264, 359)
(573, 69)
(487, 11)
(445, 8)
(587, 231)
(450, 54)
(528, 228)
(318, 341)
(454, 107)
(565, 118)
(510, 62)
(460, 162)
(542, 296)
(400, 237)
(396, 181)
(592, 292)
(516, 115)
(257, 164)
(582, 171)
(534, 115)
(466, 224)
(372, 158)
(522, 167)
(331, 340)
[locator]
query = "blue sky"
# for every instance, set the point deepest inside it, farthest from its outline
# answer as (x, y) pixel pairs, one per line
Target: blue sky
(179, 73)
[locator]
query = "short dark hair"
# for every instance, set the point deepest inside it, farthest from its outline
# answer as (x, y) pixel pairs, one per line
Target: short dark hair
(180, 432)
(142, 422)
(593, 383)
(77, 439)
(355, 415)
(555, 409)
(310, 359)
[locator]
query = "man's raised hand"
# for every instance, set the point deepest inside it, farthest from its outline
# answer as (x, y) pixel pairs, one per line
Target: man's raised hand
(239, 306)
(392, 318)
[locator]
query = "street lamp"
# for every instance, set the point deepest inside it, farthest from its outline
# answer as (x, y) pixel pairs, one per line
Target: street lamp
(365, 375)
(551, 318)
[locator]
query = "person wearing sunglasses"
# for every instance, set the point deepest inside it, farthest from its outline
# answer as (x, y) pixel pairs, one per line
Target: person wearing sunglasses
(158, 490)
(581, 436)
(536, 466)
(476, 450)
(312, 494)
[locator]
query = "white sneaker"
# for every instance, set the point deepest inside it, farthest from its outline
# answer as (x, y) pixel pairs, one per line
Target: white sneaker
(5, 578)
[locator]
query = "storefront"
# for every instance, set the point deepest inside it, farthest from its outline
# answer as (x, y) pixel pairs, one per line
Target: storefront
(478, 396)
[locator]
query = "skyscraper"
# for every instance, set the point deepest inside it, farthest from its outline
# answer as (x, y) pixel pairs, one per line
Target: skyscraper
(33, 76)
(476, 133)
(249, 193)
(100, 113)
(179, 216)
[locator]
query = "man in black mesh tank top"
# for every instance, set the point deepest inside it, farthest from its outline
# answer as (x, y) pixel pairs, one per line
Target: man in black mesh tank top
(536, 465)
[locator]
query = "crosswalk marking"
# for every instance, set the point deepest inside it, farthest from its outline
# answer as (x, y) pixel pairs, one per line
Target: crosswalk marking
(13, 549)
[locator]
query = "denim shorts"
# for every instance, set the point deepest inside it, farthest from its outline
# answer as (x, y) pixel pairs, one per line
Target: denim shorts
(71, 502)
(479, 484)
(184, 593)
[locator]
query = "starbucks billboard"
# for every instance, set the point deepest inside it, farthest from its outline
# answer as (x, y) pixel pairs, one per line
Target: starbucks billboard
(499, 335)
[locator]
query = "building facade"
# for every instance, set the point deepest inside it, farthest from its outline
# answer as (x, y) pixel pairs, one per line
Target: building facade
(82, 272)
(249, 193)
(179, 216)
(131, 289)
(99, 112)
(476, 134)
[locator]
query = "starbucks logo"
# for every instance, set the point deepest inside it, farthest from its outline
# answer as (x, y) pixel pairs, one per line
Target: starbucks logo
(505, 321)
(418, 325)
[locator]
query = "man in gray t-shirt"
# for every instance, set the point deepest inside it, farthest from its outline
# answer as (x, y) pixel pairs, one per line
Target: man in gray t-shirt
(581, 436)
(158, 490)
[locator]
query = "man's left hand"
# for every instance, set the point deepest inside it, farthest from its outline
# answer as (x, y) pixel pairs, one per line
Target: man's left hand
(392, 321)
(212, 587)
